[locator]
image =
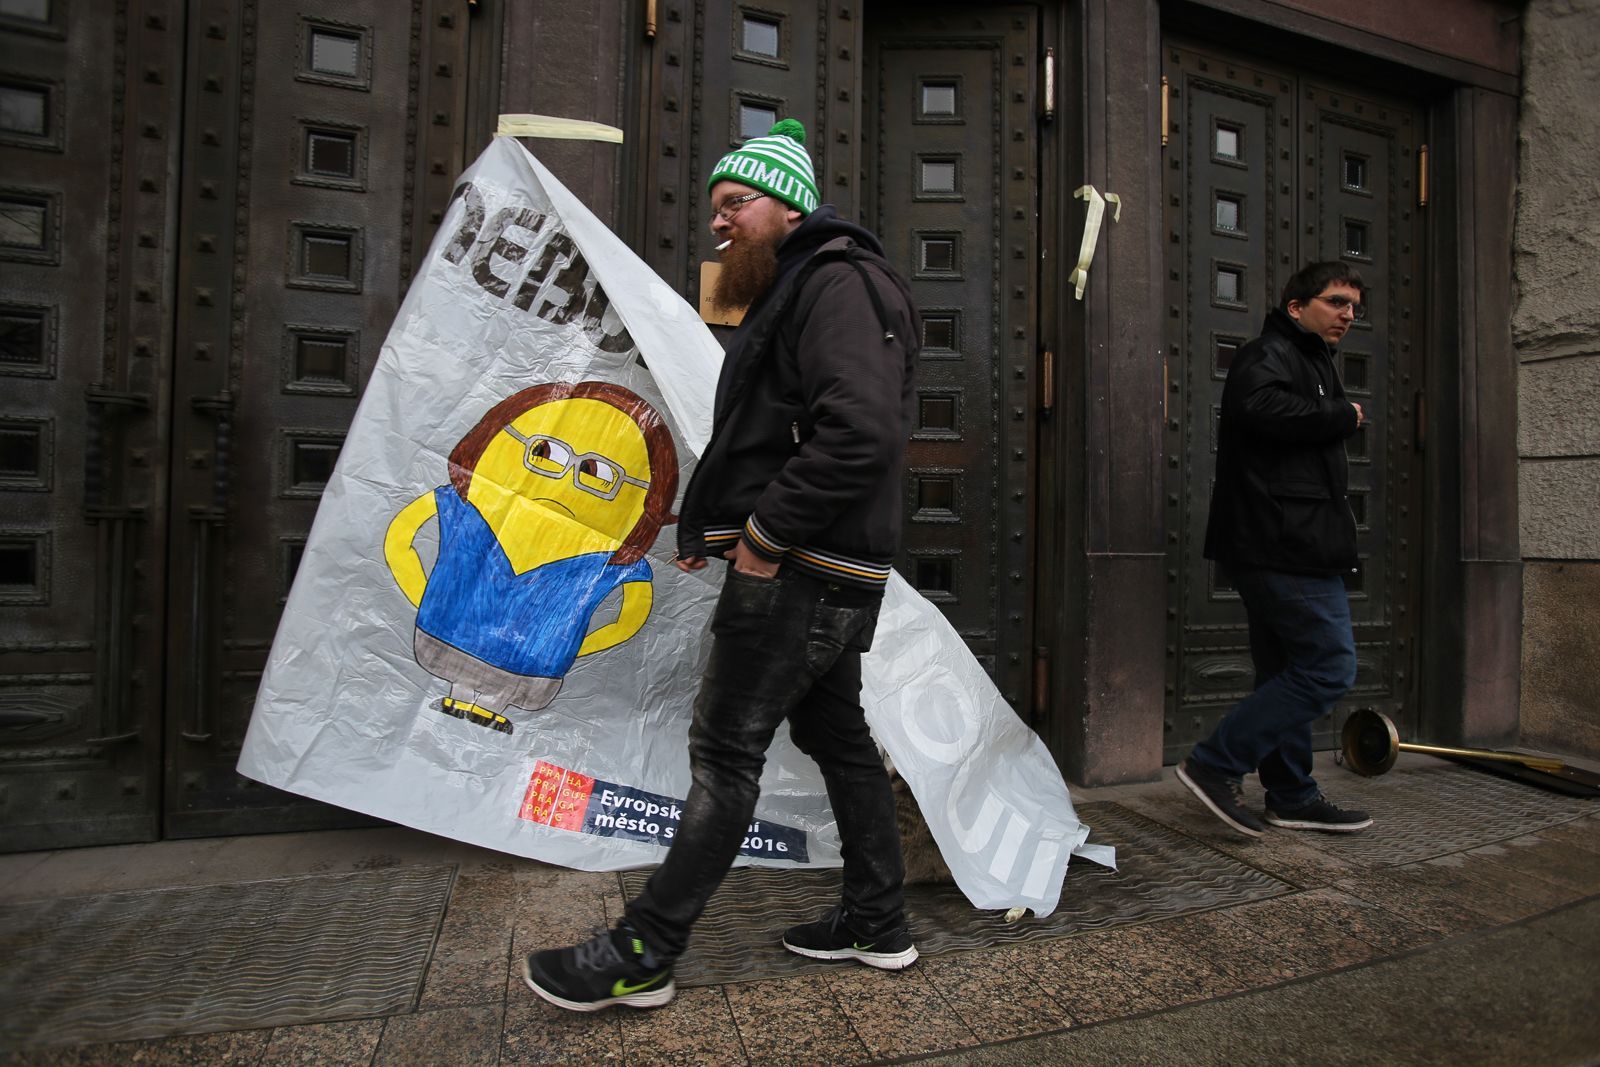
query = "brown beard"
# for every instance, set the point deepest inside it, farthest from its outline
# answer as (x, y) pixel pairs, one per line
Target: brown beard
(749, 267)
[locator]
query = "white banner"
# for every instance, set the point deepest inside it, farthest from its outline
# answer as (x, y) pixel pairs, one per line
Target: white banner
(486, 638)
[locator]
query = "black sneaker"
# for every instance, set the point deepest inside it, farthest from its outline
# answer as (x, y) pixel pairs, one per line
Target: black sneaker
(829, 938)
(612, 967)
(1223, 795)
(1320, 814)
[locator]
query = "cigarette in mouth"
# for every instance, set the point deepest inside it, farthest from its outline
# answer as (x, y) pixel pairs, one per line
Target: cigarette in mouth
(723, 247)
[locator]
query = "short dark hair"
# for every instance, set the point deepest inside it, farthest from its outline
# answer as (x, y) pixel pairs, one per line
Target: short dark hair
(1311, 279)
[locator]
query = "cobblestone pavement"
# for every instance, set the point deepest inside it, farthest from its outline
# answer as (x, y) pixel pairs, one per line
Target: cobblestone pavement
(1435, 921)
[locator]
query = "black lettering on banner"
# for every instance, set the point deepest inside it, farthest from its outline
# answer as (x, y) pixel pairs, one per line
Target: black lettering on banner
(497, 242)
(580, 294)
(569, 280)
(471, 221)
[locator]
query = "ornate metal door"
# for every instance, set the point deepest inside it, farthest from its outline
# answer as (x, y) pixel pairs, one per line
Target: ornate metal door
(249, 185)
(1265, 171)
(921, 121)
(951, 164)
(313, 143)
(88, 153)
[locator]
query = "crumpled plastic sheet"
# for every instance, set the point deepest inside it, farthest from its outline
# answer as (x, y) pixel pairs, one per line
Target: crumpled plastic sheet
(524, 286)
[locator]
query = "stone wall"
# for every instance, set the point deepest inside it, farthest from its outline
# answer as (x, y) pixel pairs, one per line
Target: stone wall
(1556, 327)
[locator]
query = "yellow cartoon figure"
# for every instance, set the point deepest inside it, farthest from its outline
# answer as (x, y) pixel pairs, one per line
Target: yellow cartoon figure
(554, 498)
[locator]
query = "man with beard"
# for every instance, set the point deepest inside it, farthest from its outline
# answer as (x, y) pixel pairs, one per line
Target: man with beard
(799, 488)
(1281, 525)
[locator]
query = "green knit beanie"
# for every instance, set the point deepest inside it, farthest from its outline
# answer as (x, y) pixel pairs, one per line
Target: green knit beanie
(776, 164)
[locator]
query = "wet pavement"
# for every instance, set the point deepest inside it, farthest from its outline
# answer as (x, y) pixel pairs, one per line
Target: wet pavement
(1464, 927)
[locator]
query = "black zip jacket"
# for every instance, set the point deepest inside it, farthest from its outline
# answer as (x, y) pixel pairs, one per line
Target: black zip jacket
(1279, 500)
(812, 413)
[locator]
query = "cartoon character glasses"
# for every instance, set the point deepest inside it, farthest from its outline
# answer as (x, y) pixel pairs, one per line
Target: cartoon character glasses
(591, 472)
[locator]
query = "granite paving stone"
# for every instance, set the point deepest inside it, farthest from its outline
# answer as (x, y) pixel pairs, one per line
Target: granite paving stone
(1523, 894)
(696, 1028)
(1234, 952)
(1537, 887)
(467, 929)
(471, 939)
(1322, 929)
(1452, 881)
(457, 1036)
(1578, 833)
(451, 984)
(557, 919)
(897, 1013)
(237, 1048)
(1092, 982)
(1497, 1000)
(324, 1044)
(1577, 924)
(1555, 861)
(1407, 897)
(1366, 921)
(486, 885)
(1176, 969)
(794, 1020)
(1498, 864)
(1000, 994)
(539, 1033)
(1104, 974)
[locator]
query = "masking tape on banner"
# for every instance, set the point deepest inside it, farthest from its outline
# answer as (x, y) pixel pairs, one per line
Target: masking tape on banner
(558, 129)
(1091, 231)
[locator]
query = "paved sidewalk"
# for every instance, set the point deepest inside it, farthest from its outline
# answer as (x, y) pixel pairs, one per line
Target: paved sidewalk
(1464, 927)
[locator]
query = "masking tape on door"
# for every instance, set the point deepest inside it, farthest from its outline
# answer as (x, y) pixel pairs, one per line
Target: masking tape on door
(560, 129)
(1091, 231)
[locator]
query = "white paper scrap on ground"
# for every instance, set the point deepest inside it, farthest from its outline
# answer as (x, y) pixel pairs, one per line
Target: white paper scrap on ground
(486, 638)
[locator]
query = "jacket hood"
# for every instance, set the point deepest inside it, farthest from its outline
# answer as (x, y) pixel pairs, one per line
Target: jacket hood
(1281, 322)
(817, 229)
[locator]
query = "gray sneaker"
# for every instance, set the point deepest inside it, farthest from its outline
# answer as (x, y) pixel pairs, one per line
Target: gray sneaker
(1319, 814)
(1223, 795)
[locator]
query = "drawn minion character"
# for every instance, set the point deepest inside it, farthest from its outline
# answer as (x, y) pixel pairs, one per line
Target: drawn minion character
(553, 500)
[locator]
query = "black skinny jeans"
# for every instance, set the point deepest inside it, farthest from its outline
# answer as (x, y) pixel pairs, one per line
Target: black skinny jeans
(782, 648)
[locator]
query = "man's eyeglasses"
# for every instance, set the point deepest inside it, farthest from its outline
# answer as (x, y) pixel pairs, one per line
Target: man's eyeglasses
(1344, 303)
(591, 472)
(730, 207)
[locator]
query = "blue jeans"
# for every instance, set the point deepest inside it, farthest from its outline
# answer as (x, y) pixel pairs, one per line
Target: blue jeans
(782, 648)
(1305, 659)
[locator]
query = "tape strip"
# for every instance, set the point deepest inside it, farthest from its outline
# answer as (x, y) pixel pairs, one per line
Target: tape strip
(1091, 231)
(549, 126)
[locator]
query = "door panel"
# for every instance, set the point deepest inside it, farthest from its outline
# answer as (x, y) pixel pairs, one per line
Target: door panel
(1265, 172)
(249, 186)
(87, 154)
(1359, 202)
(721, 73)
(299, 239)
(951, 189)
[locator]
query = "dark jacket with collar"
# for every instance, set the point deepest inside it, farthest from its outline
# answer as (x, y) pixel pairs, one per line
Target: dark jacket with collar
(812, 413)
(1279, 500)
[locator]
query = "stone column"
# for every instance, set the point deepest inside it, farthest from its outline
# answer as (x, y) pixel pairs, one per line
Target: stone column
(1556, 328)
